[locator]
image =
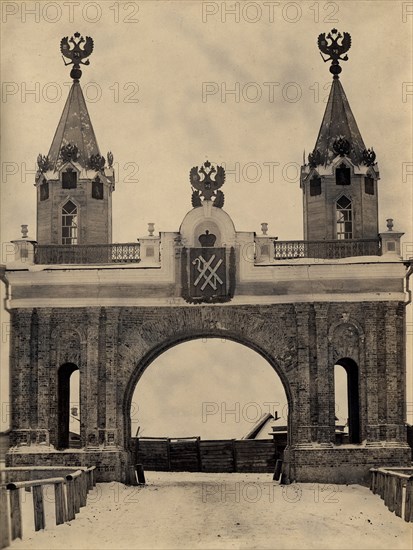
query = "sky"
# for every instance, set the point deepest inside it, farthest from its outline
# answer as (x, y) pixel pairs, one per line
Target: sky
(222, 399)
(172, 84)
(231, 388)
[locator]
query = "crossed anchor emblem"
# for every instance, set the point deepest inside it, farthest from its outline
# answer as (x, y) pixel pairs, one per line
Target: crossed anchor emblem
(207, 272)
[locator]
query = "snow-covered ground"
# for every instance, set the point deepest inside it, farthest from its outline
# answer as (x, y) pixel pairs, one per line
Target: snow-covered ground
(208, 511)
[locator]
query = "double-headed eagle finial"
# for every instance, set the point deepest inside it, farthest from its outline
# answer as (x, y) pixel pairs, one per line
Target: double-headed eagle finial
(205, 183)
(334, 45)
(76, 49)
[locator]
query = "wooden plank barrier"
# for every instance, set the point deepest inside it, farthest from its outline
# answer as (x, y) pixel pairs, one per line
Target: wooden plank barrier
(38, 503)
(90, 472)
(387, 490)
(38, 508)
(408, 509)
(70, 495)
(67, 502)
(184, 454)
(217, 456)
(191, 454)
(380, 484)
(31, 473)
(131, 476)
(4, 516)
(74, 490)
(389, 483)
(15, 515)
(83, 489)
(141, 474)
(60, 503)
(398, 504)
(278, 470)
(373, 481)
(76, 495)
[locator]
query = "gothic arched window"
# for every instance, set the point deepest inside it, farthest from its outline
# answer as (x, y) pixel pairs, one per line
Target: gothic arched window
(69, 223)
(344, 218)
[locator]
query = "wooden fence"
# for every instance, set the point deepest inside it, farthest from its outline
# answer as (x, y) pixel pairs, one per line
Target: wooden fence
(395, 487)
(70, 494)
(194, 455)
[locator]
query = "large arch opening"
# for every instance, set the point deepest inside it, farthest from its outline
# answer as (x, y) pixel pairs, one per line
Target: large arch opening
(211, 388)
(68, 406)
(346, 384)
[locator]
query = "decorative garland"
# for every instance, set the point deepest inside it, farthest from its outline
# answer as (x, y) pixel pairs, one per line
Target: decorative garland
(184, 275)
(231, 274)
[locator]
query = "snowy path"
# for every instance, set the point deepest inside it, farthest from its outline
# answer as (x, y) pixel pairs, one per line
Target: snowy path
(208, 511)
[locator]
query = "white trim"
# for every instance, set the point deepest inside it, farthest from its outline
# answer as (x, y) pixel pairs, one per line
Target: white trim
(207, 212)
(339, 160)
(174, 301)
(64, 168)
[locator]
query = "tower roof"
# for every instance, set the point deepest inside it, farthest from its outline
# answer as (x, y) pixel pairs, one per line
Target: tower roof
(339, 122)
(74, 128)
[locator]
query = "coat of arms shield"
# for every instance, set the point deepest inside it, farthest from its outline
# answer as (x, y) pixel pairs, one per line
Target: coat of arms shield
(205, 276)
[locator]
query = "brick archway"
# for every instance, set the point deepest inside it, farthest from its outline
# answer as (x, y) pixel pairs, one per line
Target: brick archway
(158, 350)
(301, 341)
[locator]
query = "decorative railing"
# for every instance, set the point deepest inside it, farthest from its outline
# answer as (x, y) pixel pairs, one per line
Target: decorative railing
(121, 253)
(334, 249)
(118, 253)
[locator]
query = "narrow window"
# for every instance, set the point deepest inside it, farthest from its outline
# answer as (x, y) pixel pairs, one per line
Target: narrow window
(69, 179)
(346, 385)
(344, 218)
(369, 185)
(343, 175)
(44, 191)
(315, 186)
(69, 223)
(68, 406)
(97, 189)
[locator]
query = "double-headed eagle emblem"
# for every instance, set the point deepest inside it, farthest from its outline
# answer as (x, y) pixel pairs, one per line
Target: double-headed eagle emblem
(76, 49)
(205, 183)
(334, 45)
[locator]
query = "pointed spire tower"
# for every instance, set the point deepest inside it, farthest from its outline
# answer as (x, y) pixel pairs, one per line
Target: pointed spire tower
(74, 185)
(339, 182)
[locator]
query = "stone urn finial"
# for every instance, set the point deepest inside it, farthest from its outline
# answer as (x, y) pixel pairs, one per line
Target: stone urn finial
(264, 228)
(389, 224)
(151, 229)
(25, 231)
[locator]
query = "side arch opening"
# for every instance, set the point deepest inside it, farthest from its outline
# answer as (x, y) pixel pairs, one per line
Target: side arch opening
(346, 384)
(68, 404)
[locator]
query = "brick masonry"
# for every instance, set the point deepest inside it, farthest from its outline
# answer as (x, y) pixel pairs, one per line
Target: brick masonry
(113, 346)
